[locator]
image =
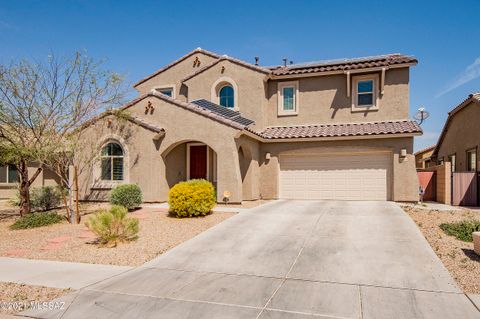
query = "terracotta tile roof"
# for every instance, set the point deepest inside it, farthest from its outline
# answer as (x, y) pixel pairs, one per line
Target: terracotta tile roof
(144, 124)
(168, 66)
(233, 60)
(344, 64)
(133, 119)
(340, 130)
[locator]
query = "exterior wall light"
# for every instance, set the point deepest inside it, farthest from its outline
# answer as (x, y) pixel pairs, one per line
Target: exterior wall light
(268, 156)
(403, 152)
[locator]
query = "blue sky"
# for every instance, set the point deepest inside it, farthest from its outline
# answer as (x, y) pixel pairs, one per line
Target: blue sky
(138, 37)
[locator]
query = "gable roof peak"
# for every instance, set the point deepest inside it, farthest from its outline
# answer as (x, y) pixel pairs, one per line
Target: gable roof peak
(168, 66)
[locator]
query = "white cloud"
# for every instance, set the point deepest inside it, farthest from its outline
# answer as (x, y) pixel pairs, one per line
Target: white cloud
(470, 73)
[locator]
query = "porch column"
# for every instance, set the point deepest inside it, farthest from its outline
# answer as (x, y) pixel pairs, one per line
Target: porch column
(228, 174)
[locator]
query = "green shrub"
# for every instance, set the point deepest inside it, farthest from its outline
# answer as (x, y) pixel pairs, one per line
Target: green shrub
(113, 226)
(127, 195)
(192, 198)
(41, 198)
(36, 220)
(45, 198)
(462, 230)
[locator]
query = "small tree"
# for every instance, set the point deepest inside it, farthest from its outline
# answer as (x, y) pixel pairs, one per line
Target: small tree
(42, 105)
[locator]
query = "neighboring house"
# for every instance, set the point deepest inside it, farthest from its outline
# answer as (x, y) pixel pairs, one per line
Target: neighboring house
(459, 141)
(423, 158)
(323, 130)
(9, 179)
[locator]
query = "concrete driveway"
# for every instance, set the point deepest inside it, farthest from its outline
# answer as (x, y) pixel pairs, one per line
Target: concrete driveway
(287, 259)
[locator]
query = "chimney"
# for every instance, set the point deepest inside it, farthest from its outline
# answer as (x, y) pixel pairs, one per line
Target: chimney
(256, 60)
(285, 62)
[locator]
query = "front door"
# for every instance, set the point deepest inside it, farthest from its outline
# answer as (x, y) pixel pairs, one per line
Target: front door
(198, 161)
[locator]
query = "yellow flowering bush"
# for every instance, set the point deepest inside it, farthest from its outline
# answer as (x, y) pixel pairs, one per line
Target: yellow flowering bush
(192, 198)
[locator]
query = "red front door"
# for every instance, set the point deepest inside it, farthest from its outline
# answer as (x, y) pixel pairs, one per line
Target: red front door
(198, 161)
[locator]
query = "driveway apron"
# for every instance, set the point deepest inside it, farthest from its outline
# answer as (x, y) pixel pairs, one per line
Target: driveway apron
(286, 259)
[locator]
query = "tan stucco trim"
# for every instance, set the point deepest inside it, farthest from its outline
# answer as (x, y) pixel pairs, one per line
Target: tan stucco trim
(280, 106)
(166, 86)
(218, 85)
(373, 77)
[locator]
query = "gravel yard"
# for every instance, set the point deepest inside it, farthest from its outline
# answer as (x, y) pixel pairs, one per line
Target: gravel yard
(65, 242)
(13, 296)
(457, 256)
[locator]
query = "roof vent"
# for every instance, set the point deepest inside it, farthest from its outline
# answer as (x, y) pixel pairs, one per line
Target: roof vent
(256, 60)
(285, 61)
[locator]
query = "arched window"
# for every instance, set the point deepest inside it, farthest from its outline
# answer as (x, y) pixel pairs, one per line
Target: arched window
(226, 96)
(112, 162)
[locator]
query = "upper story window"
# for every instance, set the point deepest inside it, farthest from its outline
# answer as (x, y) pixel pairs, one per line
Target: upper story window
(112, 162)
(365, 95)
(227, 96)
(166, 90)
(9, 174)
(288, 98)
(472, 160)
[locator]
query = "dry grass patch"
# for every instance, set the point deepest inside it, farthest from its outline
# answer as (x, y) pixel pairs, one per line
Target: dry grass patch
(19, 295)
(75, 243)
(457, 256)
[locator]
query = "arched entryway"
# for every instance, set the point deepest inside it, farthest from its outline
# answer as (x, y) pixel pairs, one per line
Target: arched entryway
(190, 160)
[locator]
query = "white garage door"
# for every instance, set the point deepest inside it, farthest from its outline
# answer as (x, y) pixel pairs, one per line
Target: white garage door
(342, 177)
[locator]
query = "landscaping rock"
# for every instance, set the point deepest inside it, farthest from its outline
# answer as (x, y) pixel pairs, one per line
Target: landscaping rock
(476, 242)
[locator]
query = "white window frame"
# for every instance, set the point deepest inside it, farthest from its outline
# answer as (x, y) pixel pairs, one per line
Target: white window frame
(111, 157)
(218, 85)
(280, 87)
(363, 108)
(188, 159)
(165, 87)
(7, 169)
(471, 151)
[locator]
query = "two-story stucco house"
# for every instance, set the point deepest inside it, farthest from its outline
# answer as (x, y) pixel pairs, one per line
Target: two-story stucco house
(323, 130)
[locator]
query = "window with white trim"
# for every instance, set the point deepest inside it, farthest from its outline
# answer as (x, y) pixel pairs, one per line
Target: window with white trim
(365, 96)
(112, 162)
(453, 162)
(472, 160)
(9, 174)
(168, 91)
(288, 98)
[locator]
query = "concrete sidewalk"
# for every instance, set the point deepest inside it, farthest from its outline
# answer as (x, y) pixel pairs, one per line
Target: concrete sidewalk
(55, 274)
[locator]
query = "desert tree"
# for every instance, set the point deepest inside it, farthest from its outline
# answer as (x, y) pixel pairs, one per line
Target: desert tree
(42, 107)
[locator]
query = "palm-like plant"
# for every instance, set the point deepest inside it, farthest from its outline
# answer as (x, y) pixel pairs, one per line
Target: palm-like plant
(113, 226)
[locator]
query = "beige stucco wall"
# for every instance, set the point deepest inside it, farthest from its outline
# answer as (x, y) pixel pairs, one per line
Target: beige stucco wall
(462, 134)
(175, 74)
(324, 99)
(443, 182)
(404, 182)
(45, 178)
(149, 163)
(250, 86)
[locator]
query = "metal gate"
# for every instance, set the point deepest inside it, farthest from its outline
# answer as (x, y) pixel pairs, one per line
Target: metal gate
(428, 183)
(464, 189)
